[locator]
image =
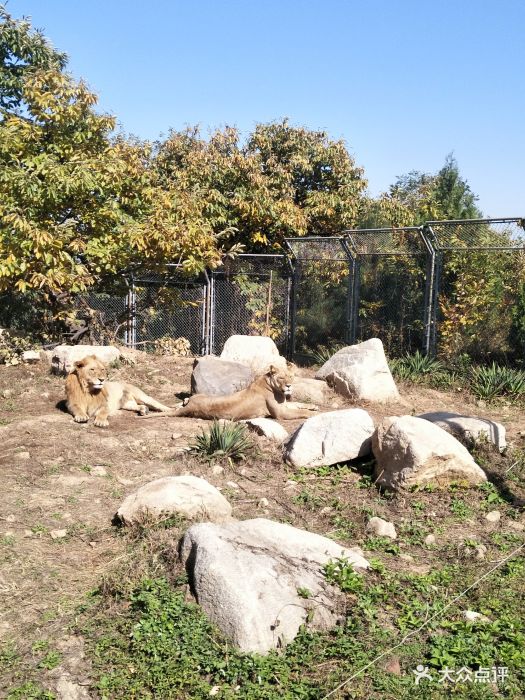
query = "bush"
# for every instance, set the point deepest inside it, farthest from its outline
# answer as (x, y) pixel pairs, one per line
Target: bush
(230, 440)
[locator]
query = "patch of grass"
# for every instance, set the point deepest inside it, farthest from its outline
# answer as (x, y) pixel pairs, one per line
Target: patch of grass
(30, 691)
(224, 440)
(416, 367)
(381, 544)
(460, 509)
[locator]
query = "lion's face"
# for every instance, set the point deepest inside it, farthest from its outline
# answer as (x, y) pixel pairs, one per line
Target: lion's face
(91, 373)
(280, 381)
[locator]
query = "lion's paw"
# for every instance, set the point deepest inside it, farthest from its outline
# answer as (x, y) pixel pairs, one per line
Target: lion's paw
(101, 422)
(143, 410)
(81, 419)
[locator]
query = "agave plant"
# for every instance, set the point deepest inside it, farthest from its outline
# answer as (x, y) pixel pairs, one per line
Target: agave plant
(323, 353)
(495, 380)
(230, 440)
(415, 367)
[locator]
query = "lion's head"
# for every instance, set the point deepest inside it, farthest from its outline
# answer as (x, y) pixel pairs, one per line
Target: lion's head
(91, 373)
(279, 381)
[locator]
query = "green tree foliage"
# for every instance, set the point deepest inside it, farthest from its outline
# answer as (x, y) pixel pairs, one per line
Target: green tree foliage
(284, 181)
(22, 50)
(430, 197)
(78, 205)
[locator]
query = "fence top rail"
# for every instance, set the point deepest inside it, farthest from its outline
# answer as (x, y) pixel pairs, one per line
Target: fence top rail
(318, 248)
(476, 234)
(403, 240)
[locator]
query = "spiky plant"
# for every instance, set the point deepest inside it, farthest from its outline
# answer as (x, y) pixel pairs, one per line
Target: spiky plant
(493, 381)
(229, 440)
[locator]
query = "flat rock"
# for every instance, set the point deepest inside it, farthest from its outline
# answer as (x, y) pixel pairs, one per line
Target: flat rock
(255, 351)
(188, 496)
(31, 356)
(381, 528)
(361, 372)
(65, 356)
(329, 438)
(411, 451)
(247, 577)
(268, 428)
(469, 427)
(315, 391)
(217, 377)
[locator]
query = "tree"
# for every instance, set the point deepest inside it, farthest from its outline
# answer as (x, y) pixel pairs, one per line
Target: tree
(77, 205)
(430, 197)
(22, 50)
(285, 181)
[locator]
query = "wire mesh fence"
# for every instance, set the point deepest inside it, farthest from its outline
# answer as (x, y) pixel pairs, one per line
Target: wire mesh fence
(447, 287)
(250, 295)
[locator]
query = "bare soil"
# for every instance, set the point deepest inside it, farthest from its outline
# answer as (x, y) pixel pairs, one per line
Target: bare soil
(62, 483)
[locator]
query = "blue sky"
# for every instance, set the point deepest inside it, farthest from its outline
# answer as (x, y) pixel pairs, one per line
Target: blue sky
(403, 82)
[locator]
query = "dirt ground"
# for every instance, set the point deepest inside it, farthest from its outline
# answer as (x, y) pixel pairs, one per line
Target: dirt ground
(62, 483)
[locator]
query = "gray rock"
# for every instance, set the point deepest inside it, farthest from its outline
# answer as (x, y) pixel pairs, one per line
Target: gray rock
(268, 428)
(217, 377)
(410, 451)
(255, 351)
(314, 391)
(31, 356)
(361, 372)
(65, 356)
(188, 496)
(247, 576)
(381, 528)
(329, 438)
(469, 427)
(493, 517)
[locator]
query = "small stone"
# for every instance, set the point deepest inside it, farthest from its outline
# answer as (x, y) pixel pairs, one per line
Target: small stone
(290, 484)
(393, 666)
(44, 395)
(493, 517)
(214, 690)
(7, 393)
(472, 616)
(430, 539)
(406, 557)
(10, 518)
(326, 510)
(28, 533)
(22, 456)
(176, 436)
(381, 528)
(481, 551)
(217, 470)
(98, 470)
(58, 534)
(232, 485)
(516, 525)
(31, 356)
(263, 503)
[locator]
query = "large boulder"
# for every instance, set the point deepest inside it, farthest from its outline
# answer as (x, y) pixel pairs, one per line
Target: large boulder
(188, 496)
(469, 428)
(268, 428)
(315, 391)
(329, 438)
(64, 356)
(412, 451)
(255, 351)
(360, 372)
(217, 377)
(248, 577)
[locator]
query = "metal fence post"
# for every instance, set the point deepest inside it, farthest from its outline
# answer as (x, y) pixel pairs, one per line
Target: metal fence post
(352, 297)
(430, 280)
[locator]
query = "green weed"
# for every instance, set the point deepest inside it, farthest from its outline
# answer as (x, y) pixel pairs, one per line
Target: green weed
(227, 440)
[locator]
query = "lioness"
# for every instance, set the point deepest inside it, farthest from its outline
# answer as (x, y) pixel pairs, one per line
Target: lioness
(88, 393)
(265, 396)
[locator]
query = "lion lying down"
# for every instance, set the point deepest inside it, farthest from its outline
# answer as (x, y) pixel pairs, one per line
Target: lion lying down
(266, 396)
(89, 394)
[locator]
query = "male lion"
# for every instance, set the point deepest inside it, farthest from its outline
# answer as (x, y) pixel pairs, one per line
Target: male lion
(88, 393)
(265, 396)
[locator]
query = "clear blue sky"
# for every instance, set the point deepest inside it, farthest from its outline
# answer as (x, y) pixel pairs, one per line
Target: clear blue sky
(403, 82)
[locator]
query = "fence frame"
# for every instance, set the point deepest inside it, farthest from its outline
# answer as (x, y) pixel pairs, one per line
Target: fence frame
(435, 239)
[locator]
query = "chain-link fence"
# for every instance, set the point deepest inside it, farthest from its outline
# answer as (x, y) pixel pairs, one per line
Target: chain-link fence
(448, 287)
(250, 295)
